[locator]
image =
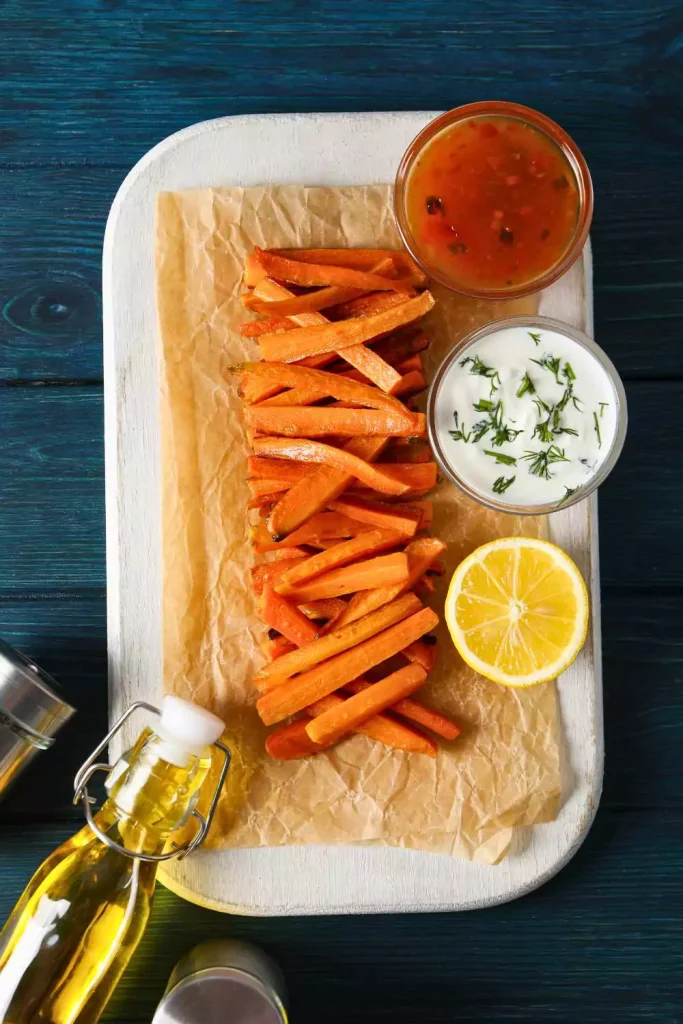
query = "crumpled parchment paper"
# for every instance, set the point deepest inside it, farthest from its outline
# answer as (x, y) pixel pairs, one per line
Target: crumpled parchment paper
(504, 770)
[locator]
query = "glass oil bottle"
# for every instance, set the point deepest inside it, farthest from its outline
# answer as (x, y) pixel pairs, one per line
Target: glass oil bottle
(74, 929)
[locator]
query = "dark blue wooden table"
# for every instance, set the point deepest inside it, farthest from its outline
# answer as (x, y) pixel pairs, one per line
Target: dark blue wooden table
(86, 87)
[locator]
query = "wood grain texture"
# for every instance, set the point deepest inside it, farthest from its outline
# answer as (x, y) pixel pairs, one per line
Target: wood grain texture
(594, 944)
(51, 471)
(82, 97)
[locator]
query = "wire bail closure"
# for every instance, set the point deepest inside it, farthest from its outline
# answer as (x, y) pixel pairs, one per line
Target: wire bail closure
(91, 765)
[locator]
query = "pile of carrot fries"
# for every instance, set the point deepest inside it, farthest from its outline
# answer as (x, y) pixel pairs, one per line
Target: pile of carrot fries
(338, 473)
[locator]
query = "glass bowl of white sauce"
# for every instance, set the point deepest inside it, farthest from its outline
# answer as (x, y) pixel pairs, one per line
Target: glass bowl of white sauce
(527, 415)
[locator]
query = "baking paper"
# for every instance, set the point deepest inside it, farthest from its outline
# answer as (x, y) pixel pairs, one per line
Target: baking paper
(504, 770)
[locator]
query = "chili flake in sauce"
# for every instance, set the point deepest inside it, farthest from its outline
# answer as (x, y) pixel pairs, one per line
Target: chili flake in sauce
(492, 202)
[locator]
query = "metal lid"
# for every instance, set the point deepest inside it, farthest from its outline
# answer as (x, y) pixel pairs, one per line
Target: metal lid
(219, 995)
(29, 696)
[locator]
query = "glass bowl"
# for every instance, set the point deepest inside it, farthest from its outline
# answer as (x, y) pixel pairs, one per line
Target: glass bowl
(535, 120)
(534, 323)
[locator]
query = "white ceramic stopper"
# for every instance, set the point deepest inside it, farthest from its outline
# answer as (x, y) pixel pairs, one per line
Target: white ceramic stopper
(186, 726)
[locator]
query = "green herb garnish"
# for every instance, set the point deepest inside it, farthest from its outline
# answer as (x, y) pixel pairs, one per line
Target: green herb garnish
(543, 460)
(484, 405)
(552, 364)
(502, 483)
(597, 429)
(480, 369)
(603, 406)
(526, 387)
(459, 434)
(568, 372)
(479, 429)
(536, 338)
(568, 491)
(503, 460)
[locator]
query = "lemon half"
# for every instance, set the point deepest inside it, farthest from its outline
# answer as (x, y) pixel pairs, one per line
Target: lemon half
(517, 610)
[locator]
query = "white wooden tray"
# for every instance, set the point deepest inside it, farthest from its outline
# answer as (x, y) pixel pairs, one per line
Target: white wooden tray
(310, 149)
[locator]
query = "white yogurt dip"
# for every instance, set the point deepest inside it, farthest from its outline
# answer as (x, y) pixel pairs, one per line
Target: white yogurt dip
(526, 416)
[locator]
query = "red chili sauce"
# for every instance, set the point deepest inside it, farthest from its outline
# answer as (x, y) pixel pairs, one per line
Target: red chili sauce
(492, 202)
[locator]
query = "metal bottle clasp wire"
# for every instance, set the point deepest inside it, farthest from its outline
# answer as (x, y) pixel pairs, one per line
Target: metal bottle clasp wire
(91, 765)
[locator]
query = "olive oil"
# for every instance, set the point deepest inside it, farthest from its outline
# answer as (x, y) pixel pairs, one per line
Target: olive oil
(83, 913)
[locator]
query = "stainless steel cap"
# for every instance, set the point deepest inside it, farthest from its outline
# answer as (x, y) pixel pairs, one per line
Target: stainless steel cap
(223, 982)
(29, 696)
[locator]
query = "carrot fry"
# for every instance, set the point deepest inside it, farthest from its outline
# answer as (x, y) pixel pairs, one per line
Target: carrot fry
(331, 337)
(415, 712)
(343, 554)
(330, 608)
(413, 362)
(327, 384)
(288, 551)
(335, 723)
(297, 693)
(253, 271)
(410, 384)
(373, 368)
(277, 647)
(291, 741)
(301, 450)
(400, 450)
(304, 421)
(254, 328)
(295, 396)
(335, 642)
(310, 302)
(420, 654)
(311, 494)
(279, 614)
(362, 259)
(272, 572)
(262, 467)
(381, 727)
(312, 275)
(268, 485)
(325, 526)
(385, 570)
(401, 345)
(403, 517)
(365, 305)
(421, 553)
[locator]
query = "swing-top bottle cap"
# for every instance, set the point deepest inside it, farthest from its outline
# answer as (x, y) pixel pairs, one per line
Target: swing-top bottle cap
(187, 728)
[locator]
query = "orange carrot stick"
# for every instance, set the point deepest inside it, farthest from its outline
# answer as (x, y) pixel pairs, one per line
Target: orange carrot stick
(328, 384)
(331, 337)
(380, 727)
(347, 552)
(312, 275)
(335, 642)
(365, 305)
(415, 712)
(270, 573)
(311, 495)
(420, 654)
(310, 422)
(297, 693)
(329, 608)
(254, 328)
(421, 553)
(291, 742)
(385, 570)
(362, 259)
(335, 723)
(344, 460)
(325, 526)
(279, 614)
(276, 647)
(404, 517)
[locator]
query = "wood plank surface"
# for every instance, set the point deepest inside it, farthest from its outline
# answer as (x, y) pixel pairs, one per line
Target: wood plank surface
(573, 950)
(51, 467)
(84, 92)
(51, 239)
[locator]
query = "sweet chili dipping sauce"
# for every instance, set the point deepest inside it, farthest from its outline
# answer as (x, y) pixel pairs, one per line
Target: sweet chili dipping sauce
(493, 204)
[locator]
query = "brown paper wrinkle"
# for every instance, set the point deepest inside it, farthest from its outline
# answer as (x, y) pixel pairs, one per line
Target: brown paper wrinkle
(503, 772)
